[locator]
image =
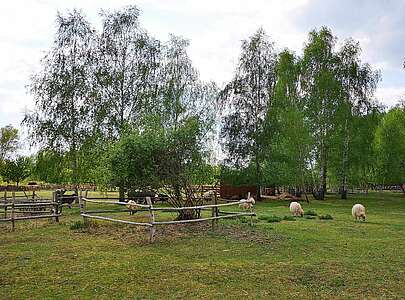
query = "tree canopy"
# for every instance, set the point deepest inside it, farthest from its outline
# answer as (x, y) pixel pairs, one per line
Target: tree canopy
(118, 107)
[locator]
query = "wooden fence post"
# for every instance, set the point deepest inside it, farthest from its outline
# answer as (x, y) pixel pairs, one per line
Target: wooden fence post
(82, 206)
(250, 209)
(216, 208)
(152, 220)
(57, 207)
(13, 212)
(5, 204)
(57, 212)
(214, 212)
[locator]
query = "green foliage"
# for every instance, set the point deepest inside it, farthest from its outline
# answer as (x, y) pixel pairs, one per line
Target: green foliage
(247, 98)
(8, 142)
(62, 88)
(120, 108)
(51, 167)
(390, 147)
(288, 143)
(125, 83)
(325, 217)
(16, 170)
(289, 218)
(336, 87)
(271, 219)
(158, 157)
(310, 213)
(135, 160)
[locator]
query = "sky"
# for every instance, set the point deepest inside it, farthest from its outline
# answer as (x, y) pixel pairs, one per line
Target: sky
(215, 30)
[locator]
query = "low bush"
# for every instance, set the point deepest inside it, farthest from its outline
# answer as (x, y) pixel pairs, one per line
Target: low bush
(289, 218)
(310, 213)
(271, 219)
(325, 217)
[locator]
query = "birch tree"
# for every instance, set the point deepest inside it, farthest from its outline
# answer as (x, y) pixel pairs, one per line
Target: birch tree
(8, 142)
(126, 65)
(246, 99)
(358, 83)
(61, 89)
(288, 145)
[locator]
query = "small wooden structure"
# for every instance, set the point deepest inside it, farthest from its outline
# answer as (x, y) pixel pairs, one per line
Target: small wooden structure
(216, 214)
(17, 209)
(228, 191)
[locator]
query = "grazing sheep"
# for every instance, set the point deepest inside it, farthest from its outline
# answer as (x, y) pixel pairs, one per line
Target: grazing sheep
(296, 209)
(132, 206)
(359, 212)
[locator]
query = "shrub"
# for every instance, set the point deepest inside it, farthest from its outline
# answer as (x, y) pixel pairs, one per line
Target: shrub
(310, 213)
(325, 217)
(270, 219)
(310, 217)
(289, 218)
(273, 219)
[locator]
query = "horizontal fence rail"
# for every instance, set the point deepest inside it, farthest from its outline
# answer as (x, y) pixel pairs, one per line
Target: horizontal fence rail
(152, 223)
(13, 209)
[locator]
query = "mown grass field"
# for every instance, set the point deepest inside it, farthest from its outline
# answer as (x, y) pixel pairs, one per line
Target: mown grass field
(302, 259)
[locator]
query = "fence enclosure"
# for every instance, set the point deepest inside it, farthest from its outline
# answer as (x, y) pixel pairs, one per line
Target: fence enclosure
(216, 214)
(16, 208)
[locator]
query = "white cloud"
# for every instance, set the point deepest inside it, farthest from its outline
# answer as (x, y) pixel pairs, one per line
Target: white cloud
(390, 96)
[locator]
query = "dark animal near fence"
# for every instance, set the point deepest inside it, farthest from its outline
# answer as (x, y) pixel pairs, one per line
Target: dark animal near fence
(62, 198)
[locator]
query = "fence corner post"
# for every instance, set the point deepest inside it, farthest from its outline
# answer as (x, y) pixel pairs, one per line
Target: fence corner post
(82, 207)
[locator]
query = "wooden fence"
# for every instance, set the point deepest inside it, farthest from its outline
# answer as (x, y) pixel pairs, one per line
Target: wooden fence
(17, 209)
(216, 214)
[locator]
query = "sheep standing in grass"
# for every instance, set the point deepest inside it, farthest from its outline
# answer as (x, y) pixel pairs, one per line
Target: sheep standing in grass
(132, 206)
(359, 212)
(248, 203)
(296, 209)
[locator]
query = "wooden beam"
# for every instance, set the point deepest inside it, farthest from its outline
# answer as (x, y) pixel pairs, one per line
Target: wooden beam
(115, 220)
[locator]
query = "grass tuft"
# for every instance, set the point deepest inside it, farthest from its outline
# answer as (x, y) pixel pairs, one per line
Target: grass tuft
(325, 217)
(310, 213)
(78, 225)
(289, 218)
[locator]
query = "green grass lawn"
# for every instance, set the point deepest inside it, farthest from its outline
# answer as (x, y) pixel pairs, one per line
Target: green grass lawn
(302, 259)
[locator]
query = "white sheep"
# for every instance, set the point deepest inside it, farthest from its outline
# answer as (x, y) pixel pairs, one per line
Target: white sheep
(359, 212)
(247, 203)
(296, 209)
(209, 194)
(132, 206)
